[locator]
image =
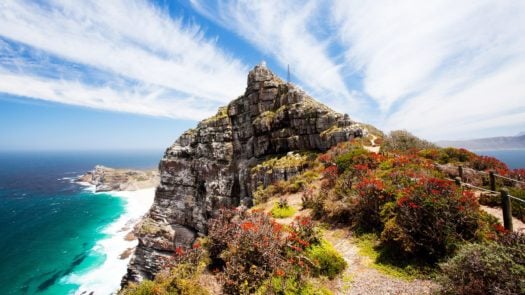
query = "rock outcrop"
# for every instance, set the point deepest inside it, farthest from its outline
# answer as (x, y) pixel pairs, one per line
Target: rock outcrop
(108, 179)
(209, 167)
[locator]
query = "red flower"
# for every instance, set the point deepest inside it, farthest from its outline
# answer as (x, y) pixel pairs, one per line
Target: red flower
(179, 251)
(401, 201)
(279, 272)
(499, 228)
(413, 205)
(248, 226)
(196, 245)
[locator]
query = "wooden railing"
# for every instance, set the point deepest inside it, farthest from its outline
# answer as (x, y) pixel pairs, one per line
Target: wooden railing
(506, 204)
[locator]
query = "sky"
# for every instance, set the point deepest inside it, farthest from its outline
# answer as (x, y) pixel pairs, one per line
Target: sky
(134, 74)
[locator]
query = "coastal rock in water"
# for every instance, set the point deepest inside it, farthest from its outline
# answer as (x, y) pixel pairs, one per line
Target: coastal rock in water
(108, 179)
(209, 167)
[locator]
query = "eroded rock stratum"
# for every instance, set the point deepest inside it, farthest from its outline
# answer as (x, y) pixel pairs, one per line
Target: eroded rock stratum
(208, 167)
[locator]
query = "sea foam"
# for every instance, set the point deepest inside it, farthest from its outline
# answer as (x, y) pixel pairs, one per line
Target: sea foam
(105, 278)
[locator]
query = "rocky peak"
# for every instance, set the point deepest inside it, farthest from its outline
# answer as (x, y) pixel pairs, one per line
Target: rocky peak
(209, 167)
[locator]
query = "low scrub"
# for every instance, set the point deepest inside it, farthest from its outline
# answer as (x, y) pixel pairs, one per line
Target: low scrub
(491, 268)
(181, 275)
(327, 260)
(403, 141)
(281, 209)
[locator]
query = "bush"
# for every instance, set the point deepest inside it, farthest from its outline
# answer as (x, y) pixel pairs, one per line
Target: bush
(448, 155)
(327, 260)
(252, 248)
(180, 277)
(368, 204)
(346, 160)
(489, 163)
(492, 268)
(404, 141)
(282, 210)
(289, 286)
(430, 219)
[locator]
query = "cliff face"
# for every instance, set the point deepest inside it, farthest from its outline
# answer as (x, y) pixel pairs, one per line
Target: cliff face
(209, 167)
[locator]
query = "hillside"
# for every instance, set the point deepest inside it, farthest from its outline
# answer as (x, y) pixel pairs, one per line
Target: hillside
(278, 194)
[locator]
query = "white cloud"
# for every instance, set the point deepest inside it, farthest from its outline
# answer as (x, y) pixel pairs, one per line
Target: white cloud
(286, 31)
(440, 68)
(130, 39)
(150, 100)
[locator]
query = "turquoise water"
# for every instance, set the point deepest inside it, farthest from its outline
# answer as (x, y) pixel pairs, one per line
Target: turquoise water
(513, 158)
(50, 225)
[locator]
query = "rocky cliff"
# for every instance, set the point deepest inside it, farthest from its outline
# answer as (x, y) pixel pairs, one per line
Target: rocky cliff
(209, 167)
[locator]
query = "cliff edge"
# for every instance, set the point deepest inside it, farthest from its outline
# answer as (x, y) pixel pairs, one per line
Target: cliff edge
(209, 167)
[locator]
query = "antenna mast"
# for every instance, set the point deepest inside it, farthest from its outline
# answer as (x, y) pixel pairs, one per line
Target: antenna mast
(288, 77)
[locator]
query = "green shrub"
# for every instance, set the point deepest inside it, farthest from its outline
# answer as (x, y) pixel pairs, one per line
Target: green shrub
(430, 219)
(281, 210)
(145, 287)
(289, 286)
(492, 268)
(404, 141)
(328, 261)
(346, 160)
(181, 279)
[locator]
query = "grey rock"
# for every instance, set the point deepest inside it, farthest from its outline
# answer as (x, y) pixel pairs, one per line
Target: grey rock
(209, 167)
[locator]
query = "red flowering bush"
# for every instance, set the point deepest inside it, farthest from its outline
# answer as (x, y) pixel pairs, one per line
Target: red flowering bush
(330, 174)
(252, 249)
(489, 163)
(430, 218)
(367, 205)
(249, 246)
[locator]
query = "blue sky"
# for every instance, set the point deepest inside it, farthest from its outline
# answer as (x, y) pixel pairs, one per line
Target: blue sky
(134, 74)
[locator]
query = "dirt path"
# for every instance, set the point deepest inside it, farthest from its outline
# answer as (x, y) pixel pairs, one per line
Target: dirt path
(361, 278)
(517, 224)
(373, 148)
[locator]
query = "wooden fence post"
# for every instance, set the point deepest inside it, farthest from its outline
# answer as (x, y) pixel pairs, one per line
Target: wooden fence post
(507, 209)
(492, 180)
(460, 171)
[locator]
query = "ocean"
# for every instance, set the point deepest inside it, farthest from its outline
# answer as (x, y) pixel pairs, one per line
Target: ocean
(513, 158)
(56, 236)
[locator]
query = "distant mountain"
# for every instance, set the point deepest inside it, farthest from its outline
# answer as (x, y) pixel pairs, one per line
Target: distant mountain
(490, 143)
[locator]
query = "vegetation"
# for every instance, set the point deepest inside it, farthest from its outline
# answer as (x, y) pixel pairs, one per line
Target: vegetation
(281, 209)
(181, 275)
(257, 254)
(386, 262)
(222, 113)
(329, 262)
(489, 268)
(404, 141)
(408, 219)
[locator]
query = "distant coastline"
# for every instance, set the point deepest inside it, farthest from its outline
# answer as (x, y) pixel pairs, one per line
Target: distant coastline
(487, 144)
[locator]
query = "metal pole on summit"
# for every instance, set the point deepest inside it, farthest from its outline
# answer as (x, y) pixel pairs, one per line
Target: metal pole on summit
(288, 76)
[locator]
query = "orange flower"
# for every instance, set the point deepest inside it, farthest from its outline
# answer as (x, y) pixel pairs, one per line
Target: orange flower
(179, 251)
(279, 272)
